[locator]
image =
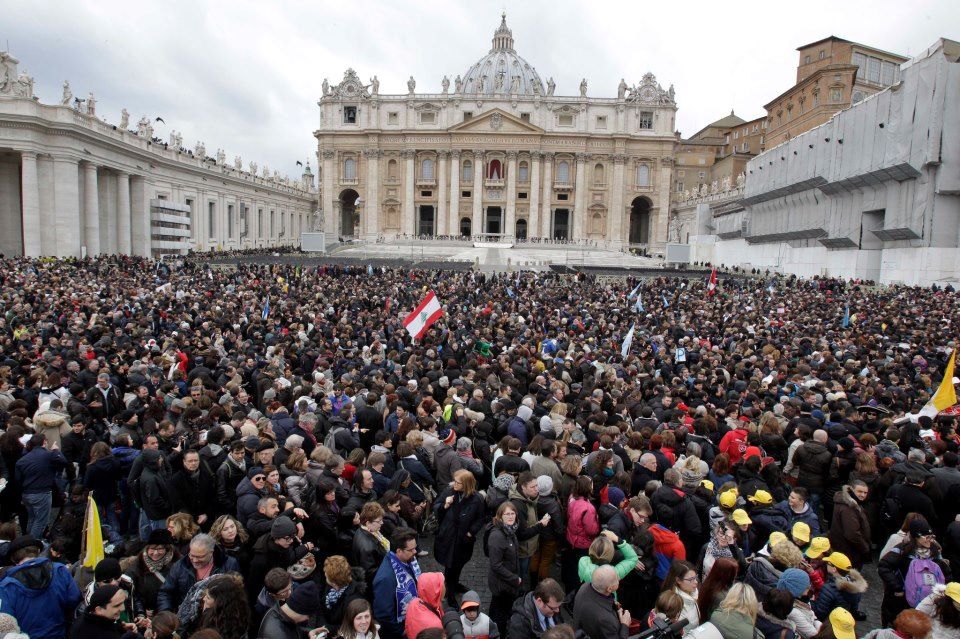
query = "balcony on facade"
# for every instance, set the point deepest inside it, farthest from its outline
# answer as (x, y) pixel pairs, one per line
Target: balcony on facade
(562, 186)
(493, 182)
(349, 181)
(426, 181)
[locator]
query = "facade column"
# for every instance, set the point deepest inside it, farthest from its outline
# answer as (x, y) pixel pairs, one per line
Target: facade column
(580, 198)
(30, 202)
(371, 221)
(533, 223)
(454, 221)
(511, 217)
(91, 209)
(477, 225)
(441, 217)
(545, 210)
(616, 212)
(123, 214)
(663, 196)
(408, 223)
(329, 215)
(140, 217)
(66, 195)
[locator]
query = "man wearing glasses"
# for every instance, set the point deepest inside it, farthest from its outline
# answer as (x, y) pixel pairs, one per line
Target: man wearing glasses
(395, 584)
(203, 560)
(538, 611)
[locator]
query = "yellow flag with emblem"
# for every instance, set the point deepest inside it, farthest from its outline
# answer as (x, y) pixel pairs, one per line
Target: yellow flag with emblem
(946, 395)
(92, 536)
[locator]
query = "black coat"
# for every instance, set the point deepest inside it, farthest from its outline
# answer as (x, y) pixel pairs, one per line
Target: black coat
(368, 553)
(333, 615)
(503, 575)
(813, 461)
(276, 625)
(155, 494)
(459, 525)
(183, 576)
(146, 585)
(266, 555)
(524, 622)
(93, 626)
(195, 496)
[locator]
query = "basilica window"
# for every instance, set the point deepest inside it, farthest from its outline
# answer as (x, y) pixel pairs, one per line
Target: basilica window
(836, 95)
(393, 117)
(643, 175)
(598, 174)
(565, 120)
(466, 174)
(495, 170)
(350, 169)
(646, 119)
(601, 121)
(426, 169)
(428, 117)
(523, 172)
(392, 169)
(563, 172)
(349, 115)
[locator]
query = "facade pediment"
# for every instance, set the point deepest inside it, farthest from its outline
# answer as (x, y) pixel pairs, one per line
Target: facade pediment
(495, 121)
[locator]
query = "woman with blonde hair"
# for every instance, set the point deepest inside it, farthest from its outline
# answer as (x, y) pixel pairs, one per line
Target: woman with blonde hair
(736, 616)
(602, 551)
(460, 512)
(182, 528)
(232, 539)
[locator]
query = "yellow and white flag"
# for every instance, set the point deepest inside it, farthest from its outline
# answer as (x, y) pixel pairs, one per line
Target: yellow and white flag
(92, 536)
(946, 395)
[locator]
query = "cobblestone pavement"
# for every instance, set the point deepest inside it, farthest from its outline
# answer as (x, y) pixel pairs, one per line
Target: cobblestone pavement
(475, 577)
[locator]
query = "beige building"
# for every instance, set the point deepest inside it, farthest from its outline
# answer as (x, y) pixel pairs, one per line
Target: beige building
(497, 153)
(832, 74)
(716, 152)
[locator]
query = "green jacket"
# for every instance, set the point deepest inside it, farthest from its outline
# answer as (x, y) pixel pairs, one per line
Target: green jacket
(623, 567)
(734, 625)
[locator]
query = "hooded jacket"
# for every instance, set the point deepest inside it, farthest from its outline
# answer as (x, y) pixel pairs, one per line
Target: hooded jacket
(813, 460)
(762, 576)
(839, 592)
(36, 593)
(426, 610)
(154, 492)
(850, 528)
(247, 498)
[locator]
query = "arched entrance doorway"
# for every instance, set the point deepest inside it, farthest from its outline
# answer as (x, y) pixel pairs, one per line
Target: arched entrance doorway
(465, 225)
(349, 218)
(640, 221)
(561, 224)
(425, 220)
(521, 229)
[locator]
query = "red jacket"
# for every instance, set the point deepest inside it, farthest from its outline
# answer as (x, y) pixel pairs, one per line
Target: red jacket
(426, 611)
(734, 444)
(582, 523)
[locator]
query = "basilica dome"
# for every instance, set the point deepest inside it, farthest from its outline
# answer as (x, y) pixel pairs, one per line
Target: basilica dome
(502, 71)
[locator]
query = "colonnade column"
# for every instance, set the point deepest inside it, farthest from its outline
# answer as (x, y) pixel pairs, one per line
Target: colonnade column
(91, 209)
(580, 199)
(663, 195)
(371, 221)
(30, 201)
(511, 218)
(477, 225)
(616, 212)
(329, 215)
(454, 221)
(140, 216)
(533, 223)
(66, 195)
(407, 224)
(547, 195)
(441, 217)
(123, 213)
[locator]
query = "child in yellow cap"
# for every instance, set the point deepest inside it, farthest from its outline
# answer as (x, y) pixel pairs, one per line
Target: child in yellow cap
(844, 586)
(843, 624)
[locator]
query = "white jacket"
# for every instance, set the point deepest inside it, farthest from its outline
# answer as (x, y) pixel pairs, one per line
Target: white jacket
(803, 618)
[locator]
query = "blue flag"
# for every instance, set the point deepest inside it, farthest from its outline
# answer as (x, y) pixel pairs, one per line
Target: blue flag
(510, 293)
(846, 317)
(666, 304)
(638, 307)
(627, 342)
(654, 347)
(266, 309)
(633, 293)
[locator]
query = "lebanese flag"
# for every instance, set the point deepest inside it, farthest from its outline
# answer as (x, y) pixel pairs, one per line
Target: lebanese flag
(423, 316)
(712, 284)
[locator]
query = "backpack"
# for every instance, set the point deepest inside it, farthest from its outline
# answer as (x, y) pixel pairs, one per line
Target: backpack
(922, 575)
(330, 441)
(485, 537)
(890, 509)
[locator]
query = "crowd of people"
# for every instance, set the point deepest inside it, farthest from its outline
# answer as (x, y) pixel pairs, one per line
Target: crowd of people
(271, 455)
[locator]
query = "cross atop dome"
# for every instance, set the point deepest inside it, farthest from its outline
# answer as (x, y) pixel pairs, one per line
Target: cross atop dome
(503, 36)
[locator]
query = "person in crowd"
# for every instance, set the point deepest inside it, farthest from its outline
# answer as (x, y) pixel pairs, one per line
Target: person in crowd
(595, 611)
(152, 568)
(339, 590)
(426, 609)
(476, 623)
(582, 526)
(797, 583)
(722, 544)
(909, 624)
(538, 611)
(203, 560)
(224, 609)
(850, 529)
(284, 619)
(102, 617)
(358, 621)
(736, 616)
(942, 605)
(460, 511)
(35, 474)
(843, 587)
(773, 617)
(911, 570)
(602, 552)
(682, 579)
(504, 577)
(395, 584)
(369, 545)
(714, 587)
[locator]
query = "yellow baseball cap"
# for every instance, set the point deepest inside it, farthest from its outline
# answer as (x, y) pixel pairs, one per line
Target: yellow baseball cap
(801, 531)
(818, 546)
(838, 560)
(728, 499)
(844, 627)
(706, 483)
(775, 538)
(741, 517)
(762, 497)
(953, 591)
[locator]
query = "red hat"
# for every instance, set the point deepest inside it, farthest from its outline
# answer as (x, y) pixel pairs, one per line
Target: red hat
(683, 407)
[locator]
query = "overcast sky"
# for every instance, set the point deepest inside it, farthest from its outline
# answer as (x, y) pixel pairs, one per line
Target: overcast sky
(246, 75)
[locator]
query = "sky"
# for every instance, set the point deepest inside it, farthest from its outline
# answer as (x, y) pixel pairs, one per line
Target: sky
(245, 76)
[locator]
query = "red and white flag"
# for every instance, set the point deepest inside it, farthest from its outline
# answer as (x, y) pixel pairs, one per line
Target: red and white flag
(423, 316)
(712, 284)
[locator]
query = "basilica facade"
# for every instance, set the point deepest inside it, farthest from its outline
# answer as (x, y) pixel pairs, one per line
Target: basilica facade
(498, 153)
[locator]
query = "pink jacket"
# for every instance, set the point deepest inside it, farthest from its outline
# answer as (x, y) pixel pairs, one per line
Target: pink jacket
(582, 523)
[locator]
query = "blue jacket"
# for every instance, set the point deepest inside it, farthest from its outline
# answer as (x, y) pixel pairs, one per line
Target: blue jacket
(808, 516)
(283, 425)
(182, 577)
(385, 592)
(40, 594)
(247, 498)
(518, 428)
(36, 471)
